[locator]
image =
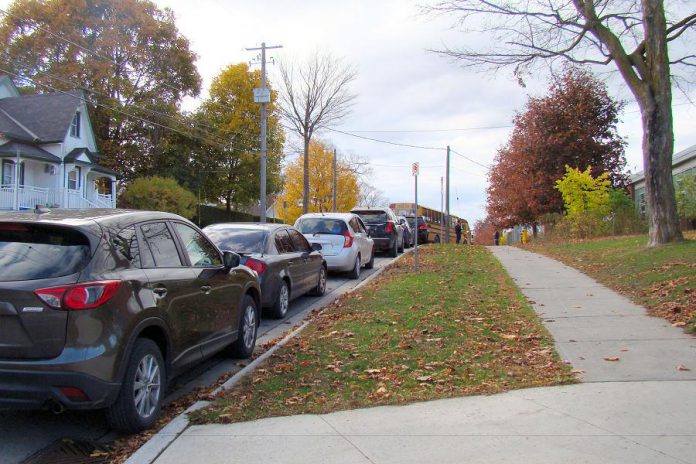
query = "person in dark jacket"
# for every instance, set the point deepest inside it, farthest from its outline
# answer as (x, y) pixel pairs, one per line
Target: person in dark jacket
(496, 237)
(458, 232)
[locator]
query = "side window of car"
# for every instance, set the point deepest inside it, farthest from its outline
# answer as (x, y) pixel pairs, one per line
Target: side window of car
(299, 242)
(126, 244)
(161, 246)
(282, 242)
(363, 229)
(200, 252)
(355, 226)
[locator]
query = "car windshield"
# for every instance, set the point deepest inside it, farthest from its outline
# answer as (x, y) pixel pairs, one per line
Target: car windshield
(372, 217)
(239, 240)
(30, 252)
(322, 226)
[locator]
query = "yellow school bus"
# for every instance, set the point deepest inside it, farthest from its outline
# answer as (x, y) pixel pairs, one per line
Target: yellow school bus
(434, 221)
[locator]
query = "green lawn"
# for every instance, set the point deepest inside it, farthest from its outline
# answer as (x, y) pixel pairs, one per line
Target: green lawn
(662, 278)
(458, 327)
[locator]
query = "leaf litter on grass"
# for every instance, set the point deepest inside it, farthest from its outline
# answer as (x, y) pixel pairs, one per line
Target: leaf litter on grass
(458, 327)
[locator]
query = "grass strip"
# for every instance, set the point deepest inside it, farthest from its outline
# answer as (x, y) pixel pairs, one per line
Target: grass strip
(458, 327)
(662, 278)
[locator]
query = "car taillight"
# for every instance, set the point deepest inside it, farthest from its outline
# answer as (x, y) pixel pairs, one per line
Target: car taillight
(348, 241)
(81, 296)
(255, 265)
(390, 226)
(422, 227)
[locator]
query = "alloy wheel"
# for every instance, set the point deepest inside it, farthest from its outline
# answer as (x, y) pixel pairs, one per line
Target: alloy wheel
(146, 387)
(249, 326)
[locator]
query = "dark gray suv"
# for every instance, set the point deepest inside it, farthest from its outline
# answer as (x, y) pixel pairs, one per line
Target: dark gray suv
(100, 308)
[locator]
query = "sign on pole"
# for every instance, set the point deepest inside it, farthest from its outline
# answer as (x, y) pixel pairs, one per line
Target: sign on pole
(262, 95)
(415, 169)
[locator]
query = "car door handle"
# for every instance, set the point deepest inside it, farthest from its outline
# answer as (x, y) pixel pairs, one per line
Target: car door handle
(205, 289)
(160, 291)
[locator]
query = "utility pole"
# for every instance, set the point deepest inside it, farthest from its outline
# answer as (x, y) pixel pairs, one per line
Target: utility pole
(263, 95)
(447, 195)
(414, 170)
(442, 201)
(335, 176)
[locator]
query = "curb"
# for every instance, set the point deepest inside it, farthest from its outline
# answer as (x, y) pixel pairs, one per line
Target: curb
(160, 441)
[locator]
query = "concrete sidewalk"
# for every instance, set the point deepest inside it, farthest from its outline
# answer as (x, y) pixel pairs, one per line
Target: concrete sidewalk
(639, 409)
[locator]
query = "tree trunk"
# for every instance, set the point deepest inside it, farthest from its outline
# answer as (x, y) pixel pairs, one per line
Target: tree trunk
(658, 146)
(658, 132)
(305, 191)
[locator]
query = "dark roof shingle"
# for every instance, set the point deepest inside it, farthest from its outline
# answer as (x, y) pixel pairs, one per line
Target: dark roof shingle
(48, 115)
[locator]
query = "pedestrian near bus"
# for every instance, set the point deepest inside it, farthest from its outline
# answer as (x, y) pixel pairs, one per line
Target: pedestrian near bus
(496, 237)
(458, 232)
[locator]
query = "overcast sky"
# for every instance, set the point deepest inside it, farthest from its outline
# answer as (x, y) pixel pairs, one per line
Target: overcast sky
(400, 87)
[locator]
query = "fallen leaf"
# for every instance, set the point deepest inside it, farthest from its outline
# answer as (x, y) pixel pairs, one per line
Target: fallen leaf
(682, 367)
(612, 358)
(679, 324)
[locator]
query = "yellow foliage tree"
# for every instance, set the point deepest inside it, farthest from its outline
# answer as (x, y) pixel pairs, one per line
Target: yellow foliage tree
(320, 184)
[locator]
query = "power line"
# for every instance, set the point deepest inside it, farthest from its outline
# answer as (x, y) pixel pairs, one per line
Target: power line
(429, 130)
(420, 147)
(116, 110)
(83, 48)
(95, 92)
(469, 159)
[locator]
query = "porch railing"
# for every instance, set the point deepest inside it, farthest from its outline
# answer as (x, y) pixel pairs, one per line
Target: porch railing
(28, 197)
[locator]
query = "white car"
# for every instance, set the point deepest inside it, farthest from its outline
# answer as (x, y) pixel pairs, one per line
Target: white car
(344, 240)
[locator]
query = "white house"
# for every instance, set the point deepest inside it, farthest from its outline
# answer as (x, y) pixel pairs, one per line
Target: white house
(49, 153)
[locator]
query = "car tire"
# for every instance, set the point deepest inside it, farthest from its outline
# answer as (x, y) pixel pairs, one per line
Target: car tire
(371, 263)
(320, 289)
(401, 249)
(145, 367)
(282, 302)
(394, 252)
(243, 347)
(355, 273)
(437, 239)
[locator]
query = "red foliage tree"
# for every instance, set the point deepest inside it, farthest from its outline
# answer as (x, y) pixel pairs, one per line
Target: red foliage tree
(575, 125)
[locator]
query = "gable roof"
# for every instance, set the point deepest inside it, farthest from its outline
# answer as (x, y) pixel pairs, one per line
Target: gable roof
(48, 116)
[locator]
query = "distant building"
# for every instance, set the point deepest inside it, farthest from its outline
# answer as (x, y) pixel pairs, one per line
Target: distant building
(48, 152)
(683, 163)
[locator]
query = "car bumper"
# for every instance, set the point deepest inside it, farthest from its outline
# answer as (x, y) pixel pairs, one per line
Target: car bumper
(383, 244)
(21, 389)
(344, 261)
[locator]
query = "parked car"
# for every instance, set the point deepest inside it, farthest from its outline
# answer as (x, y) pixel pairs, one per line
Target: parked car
(384, 229)
(344, 240)
(409, 237)
(287, 265)
(421, 227)
(100, 308)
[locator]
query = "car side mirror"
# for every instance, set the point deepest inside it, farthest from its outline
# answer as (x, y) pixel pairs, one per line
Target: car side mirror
(230, 259)
(316, 246)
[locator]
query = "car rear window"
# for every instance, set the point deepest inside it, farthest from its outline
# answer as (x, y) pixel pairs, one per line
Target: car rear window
(322, 226)
(237, 239)
(412, 221)
(31, 252)
(372, 217)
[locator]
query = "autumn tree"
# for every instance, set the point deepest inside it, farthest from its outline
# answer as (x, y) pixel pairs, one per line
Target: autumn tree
(484, 232)
(315, 95)
(321, 185)
(636, 37)
(158, 194)
(575, 125)
(229, 170)
(127, 55)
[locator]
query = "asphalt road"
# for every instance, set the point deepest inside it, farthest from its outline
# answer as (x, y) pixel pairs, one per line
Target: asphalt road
(23, 433)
